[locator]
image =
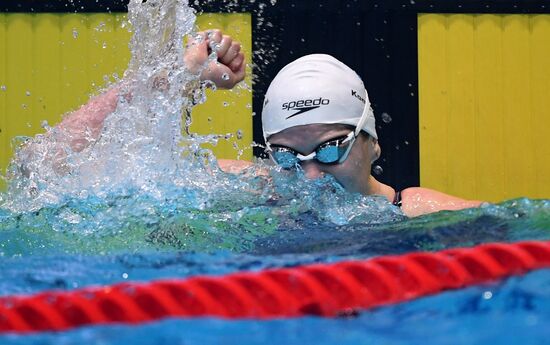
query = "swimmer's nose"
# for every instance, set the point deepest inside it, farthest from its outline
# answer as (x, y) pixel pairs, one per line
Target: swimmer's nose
(312, 170)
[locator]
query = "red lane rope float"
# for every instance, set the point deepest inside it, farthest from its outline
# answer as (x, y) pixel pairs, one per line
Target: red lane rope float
(320, 289)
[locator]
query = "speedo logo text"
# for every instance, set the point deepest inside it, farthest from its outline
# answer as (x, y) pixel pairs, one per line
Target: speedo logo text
(304, 105)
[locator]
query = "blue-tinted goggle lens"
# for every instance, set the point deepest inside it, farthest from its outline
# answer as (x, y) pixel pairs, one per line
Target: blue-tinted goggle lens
(330, 153)
(285, 157)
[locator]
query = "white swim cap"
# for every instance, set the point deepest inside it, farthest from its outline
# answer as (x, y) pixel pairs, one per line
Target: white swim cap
(316, 88)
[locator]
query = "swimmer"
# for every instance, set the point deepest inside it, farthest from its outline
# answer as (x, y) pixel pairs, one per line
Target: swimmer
(316, 117)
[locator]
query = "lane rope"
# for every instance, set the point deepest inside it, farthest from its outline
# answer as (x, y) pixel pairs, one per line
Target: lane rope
(327, 290)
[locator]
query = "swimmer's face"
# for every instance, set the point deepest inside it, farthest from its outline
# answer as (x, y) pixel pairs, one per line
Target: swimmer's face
(353, 173)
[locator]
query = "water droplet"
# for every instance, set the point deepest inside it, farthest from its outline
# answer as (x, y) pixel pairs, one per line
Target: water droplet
(487, 295)
(104, 45)
(27, 93)
(406, 142)
(248, 106)
(209, 119)
(101, 26)
(24, 106)
(215, 46)
(386, 118)
(225, 104)
(225, 76)
(75, 33)
(44, 124)
(358, 23)
(239, 134)
(377, 170)
(302, 39)
(413, 2)
(3, 88)
(125, 275)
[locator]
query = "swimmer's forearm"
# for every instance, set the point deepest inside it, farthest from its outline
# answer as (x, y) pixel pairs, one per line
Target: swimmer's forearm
(84, 125)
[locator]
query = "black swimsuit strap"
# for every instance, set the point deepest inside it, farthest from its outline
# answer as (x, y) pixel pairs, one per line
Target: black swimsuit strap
(397, 199)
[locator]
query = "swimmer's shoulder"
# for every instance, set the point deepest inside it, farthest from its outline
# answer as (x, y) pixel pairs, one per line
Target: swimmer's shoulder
(417, 201)
(233, 166)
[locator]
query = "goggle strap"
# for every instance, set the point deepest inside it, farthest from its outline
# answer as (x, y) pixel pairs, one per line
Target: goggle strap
(348, 149)
(363, 119)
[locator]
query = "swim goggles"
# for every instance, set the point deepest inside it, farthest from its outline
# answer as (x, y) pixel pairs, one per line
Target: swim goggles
(334, 151)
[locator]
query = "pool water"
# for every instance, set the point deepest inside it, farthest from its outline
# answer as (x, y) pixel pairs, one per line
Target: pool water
(505, 312)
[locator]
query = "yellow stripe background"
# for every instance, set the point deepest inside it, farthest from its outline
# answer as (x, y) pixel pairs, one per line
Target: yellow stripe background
(484, 83)
(51, 63)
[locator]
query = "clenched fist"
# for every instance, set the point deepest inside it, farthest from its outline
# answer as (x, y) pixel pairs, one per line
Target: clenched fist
(228, 70)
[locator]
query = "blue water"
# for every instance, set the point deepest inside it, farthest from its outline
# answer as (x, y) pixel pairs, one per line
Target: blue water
(516, 310)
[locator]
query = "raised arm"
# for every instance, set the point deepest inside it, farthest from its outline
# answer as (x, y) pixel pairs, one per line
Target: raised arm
(84, 126)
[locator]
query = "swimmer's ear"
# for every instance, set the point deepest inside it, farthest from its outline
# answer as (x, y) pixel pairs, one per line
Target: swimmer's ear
(376, 150)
